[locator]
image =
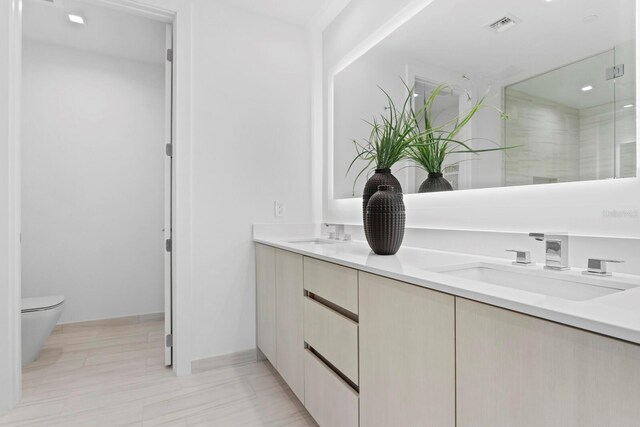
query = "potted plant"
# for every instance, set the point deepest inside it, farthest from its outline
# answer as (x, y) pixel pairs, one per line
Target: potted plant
(431, 145)
(392, 133)
(391, 136)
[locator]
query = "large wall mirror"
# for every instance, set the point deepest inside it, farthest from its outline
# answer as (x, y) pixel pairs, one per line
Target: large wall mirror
(562, 71)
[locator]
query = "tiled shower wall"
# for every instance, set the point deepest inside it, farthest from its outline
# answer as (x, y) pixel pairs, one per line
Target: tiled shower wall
(563, 144)
(547, 138)
(600, 130)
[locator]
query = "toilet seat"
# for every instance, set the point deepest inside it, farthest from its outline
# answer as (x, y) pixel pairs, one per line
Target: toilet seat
(41, 303)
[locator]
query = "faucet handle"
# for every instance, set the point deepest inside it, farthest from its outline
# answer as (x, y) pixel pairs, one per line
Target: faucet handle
(538, 236)
(522, 257)
(598, 267)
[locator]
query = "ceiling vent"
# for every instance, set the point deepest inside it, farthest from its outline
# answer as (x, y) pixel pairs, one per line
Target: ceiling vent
(503, 24)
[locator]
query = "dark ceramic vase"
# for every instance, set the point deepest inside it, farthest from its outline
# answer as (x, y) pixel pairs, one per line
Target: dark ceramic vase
(380, 177)
(385, 219)
(435, 182)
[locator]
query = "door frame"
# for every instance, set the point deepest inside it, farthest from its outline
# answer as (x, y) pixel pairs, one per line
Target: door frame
(168, 193)
(177, 13)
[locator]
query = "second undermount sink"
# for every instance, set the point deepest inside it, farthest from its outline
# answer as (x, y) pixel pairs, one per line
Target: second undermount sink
(316, 241)
(568, 285)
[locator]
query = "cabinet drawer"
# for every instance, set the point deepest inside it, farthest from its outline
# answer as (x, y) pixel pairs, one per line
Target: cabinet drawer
(329, 400)
(336, 284)
(333, 336)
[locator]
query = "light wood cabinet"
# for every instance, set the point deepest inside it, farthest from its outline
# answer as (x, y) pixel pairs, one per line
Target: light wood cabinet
(517, 370)
(407, 354)
(289, 320)
(333, 336)
(266, 301)
(329, 400)
(332, 282)
(387, 353)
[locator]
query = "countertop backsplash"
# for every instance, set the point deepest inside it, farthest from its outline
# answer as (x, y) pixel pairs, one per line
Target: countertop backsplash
(486, 243)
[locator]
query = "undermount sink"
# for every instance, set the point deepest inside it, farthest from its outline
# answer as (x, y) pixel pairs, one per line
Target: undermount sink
(568, 285)
(316, 241)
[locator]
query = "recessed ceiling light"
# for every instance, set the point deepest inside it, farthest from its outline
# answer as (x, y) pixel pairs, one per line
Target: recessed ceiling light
(76, 19)
(628, 106)
(587, 88)
(589, 19)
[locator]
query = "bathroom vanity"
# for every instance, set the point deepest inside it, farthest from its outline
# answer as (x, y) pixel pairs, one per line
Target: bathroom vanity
(368, 341)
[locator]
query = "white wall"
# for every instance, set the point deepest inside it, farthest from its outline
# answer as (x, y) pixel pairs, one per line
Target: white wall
(355, 23)
(607, 208)
(251, 146)
(93, 159)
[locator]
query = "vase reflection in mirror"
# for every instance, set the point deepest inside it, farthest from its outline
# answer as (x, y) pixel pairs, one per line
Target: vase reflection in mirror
(435, 182)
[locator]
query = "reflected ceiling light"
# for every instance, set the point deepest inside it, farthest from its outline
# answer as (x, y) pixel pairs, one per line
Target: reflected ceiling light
(587, 88)
(628, 106)
(76, 19)
(415, 95)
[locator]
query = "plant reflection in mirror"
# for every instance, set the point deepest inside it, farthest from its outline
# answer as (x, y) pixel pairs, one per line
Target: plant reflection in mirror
(404, 133)
(434, 142)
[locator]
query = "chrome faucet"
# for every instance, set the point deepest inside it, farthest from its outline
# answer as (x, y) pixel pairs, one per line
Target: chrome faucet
(556, 249)
(338, 233)
(598, 267)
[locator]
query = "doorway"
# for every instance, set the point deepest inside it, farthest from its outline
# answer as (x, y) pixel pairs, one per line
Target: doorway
(97, 166)
(448, 104)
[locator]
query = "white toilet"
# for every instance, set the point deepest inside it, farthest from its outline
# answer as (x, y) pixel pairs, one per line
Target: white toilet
(39, 317)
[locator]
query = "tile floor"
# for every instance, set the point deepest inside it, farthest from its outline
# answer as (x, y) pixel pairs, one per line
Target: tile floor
(111, 373)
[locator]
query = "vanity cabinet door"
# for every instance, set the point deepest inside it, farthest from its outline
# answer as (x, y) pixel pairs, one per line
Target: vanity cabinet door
(289, 319)
(266, 300)
(517, 370)
(407, 355)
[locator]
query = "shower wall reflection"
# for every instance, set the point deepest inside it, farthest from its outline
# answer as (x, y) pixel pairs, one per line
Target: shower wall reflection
(574, 123)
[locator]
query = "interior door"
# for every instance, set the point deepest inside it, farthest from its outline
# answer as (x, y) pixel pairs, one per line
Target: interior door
(168, 180)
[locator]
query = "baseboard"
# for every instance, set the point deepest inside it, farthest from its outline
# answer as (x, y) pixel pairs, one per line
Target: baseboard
(226, 360)
(116, 321)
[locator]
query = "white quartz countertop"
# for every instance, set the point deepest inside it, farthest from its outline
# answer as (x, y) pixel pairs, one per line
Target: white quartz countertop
(616, 315)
